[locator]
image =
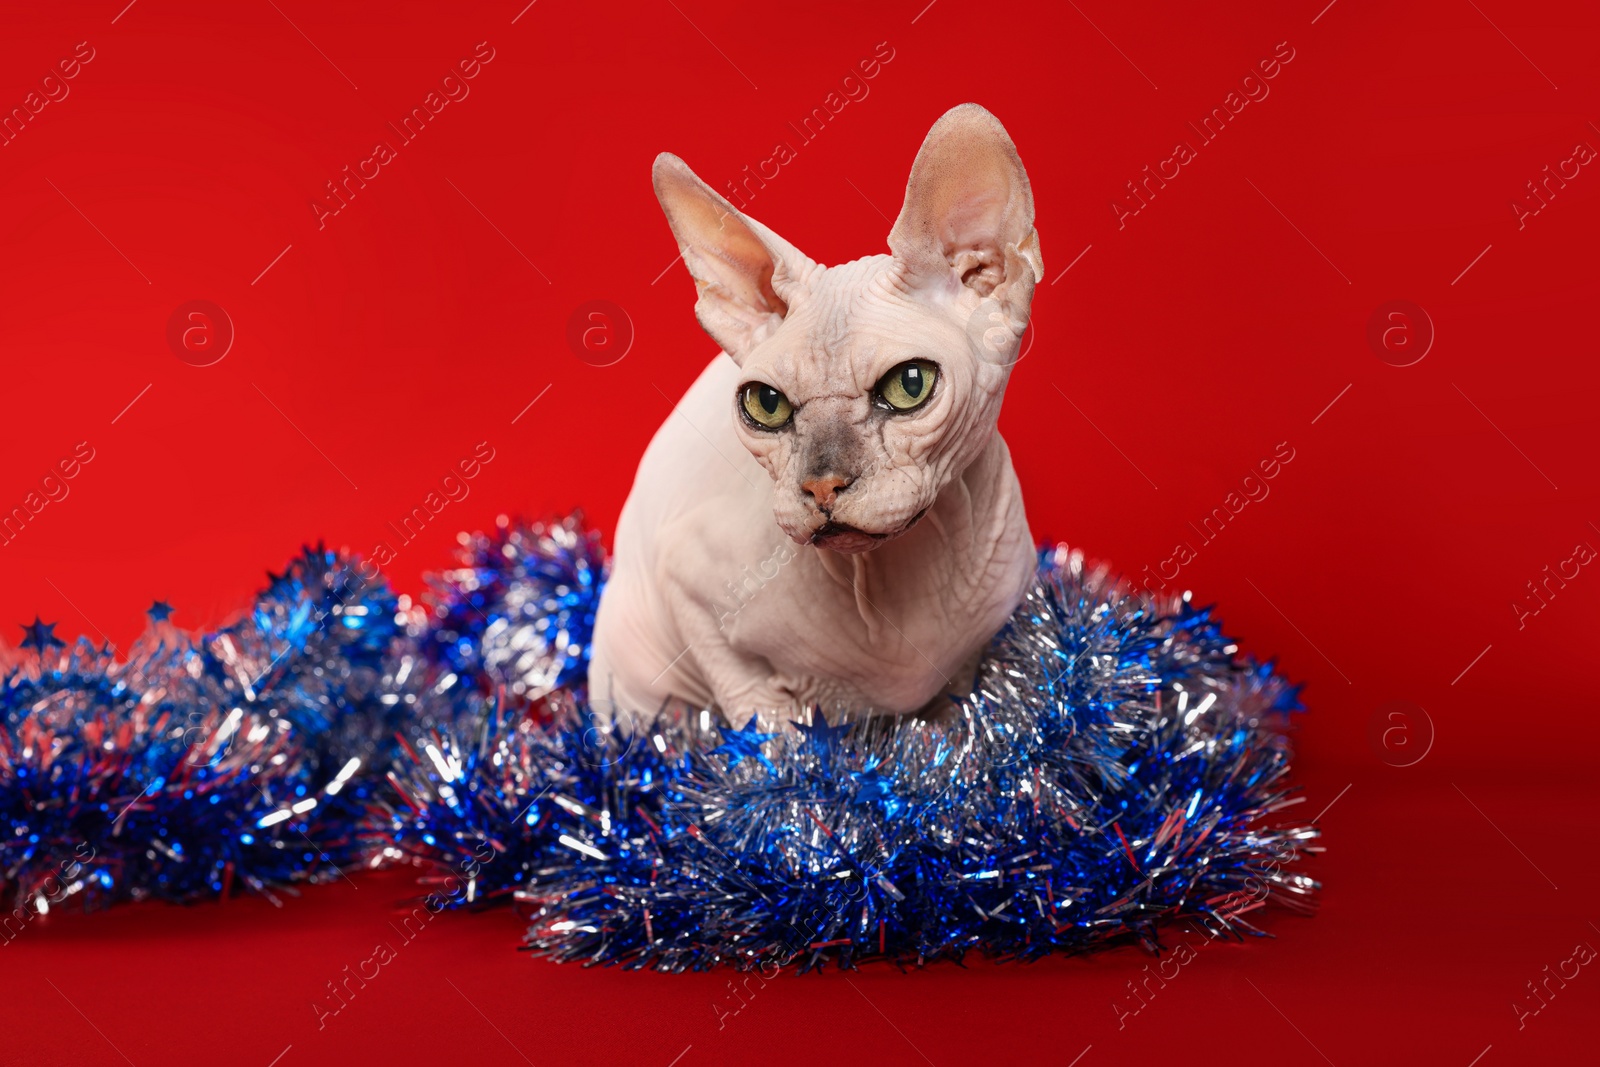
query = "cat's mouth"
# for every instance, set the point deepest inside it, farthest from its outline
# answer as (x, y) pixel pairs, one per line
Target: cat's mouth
(842, 537)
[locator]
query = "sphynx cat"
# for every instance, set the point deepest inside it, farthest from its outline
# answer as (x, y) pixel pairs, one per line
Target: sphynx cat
(855, 405)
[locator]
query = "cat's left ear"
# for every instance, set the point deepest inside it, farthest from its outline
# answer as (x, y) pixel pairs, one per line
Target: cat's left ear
(967, 222)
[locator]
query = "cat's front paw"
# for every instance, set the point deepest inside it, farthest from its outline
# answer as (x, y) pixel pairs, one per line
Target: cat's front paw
(770, 704)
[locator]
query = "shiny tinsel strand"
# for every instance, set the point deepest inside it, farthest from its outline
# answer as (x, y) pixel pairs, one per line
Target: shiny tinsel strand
(192, 767)
(517, 611)
(1114, 770)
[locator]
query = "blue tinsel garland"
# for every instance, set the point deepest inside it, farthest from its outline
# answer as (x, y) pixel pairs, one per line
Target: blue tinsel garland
(1114, 770)
(242, 758)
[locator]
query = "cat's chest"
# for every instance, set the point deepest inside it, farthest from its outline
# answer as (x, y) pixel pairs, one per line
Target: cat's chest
(888, 632)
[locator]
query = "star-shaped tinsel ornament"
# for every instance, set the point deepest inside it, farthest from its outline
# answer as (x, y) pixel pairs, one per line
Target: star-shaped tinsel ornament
(820, 734)
(747, 741)
(40, 636)
(875, 788)
(160, 611)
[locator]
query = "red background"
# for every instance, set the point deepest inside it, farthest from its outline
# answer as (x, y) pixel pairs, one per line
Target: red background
(1219, 321)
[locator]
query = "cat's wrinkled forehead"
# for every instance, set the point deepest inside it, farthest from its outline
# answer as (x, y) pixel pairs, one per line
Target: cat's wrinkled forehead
(851, 318)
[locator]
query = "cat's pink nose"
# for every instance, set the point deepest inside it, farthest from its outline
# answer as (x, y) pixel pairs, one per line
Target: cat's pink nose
(823, 488)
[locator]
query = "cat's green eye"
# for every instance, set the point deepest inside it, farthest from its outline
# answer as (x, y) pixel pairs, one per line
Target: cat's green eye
(766, 406)
(908, 386)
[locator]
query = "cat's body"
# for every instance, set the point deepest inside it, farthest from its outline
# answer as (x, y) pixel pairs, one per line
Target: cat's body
(713, 604)
(901, 544)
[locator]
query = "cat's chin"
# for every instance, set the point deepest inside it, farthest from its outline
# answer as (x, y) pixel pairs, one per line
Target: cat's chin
(847, 539)
(839, 537)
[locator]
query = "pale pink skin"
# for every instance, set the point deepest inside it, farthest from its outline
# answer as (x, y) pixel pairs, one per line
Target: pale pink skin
(711, 602)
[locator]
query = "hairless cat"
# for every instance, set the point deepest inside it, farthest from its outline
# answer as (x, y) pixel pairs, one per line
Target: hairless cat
(855, 405)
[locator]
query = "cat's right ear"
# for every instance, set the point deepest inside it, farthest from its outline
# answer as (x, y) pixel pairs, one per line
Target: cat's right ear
(747, 276)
